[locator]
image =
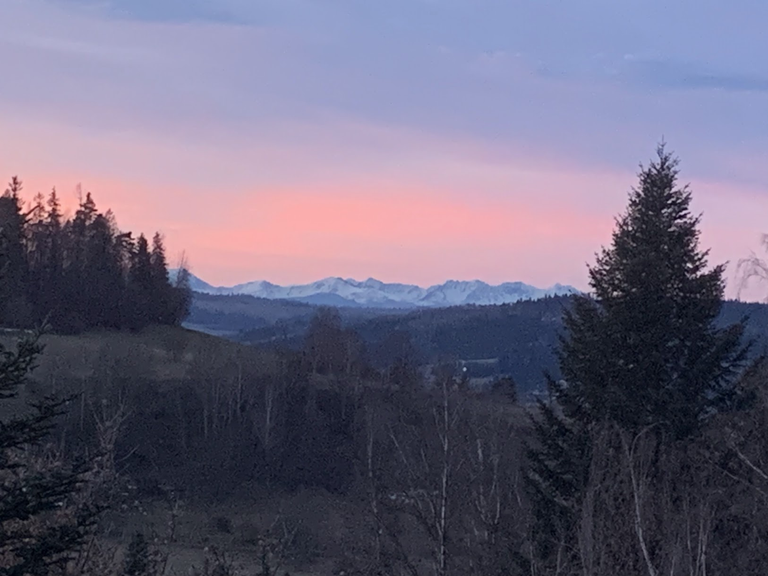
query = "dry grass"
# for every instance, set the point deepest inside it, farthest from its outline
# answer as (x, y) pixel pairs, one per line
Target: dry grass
(326, 524)
(158, 353)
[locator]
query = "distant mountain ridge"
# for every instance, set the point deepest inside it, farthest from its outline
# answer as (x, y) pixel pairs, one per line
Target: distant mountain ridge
(373, 293)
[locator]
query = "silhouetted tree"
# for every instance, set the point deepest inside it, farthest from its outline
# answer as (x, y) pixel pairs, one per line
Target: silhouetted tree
(83, 272)
(162, 290)
(643, 351)
(50, 275)
(14, 267)
(42, 523)
(140, 283)
(103, 274)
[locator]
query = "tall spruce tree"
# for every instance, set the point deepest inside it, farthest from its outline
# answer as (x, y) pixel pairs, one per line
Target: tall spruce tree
(15, 310)
(104, 286)
(641, 351)
(140, 283)
(35, 238)
(161, 286)
(645, 349)
(51, 293)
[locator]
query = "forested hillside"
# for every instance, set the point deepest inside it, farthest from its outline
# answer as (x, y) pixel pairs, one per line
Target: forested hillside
(246, 317)
(521, 338)
(81, 272)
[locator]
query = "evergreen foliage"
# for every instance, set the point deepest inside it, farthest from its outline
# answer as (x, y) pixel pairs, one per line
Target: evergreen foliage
(42, 522)
(645, 350)
(642, 350)
(81, 272)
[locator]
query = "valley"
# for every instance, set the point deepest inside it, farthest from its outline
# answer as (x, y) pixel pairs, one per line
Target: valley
(520, 338)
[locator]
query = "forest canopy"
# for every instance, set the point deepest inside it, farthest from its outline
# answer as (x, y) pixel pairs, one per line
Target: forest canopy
(81, 272)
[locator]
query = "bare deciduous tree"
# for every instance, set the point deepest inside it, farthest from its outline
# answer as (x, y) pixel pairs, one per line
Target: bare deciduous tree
(753, 267)
(430, 460)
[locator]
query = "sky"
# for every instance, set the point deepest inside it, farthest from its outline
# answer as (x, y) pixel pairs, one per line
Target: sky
(407, 140)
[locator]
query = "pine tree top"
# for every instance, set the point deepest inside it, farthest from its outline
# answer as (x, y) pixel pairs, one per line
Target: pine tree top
(655, 248)
(645, 349)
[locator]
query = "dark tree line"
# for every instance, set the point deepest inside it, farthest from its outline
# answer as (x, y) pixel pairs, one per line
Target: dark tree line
(81, 272)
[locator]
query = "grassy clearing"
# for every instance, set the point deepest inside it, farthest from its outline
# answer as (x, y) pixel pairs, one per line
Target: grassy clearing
(158, 353)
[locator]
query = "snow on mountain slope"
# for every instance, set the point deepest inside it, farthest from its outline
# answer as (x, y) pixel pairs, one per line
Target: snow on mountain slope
(376, 294)
(452, 293)
(195, 283)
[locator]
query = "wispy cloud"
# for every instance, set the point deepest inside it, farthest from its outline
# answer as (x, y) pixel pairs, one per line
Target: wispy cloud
(677, 75)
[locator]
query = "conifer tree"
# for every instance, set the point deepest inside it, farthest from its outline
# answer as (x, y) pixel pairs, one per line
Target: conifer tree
(74, 278)
(645, 349)
(140, 283)
(81, 272)
(158, 261)
(160, 281)
(36, 238)
(141, 264)
(14, 268)
(641, 350)
(43, 522)
(103, 273)
(49, 304)
(78, 233)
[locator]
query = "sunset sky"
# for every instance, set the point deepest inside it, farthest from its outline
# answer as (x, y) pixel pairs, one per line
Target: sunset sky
(408, 140)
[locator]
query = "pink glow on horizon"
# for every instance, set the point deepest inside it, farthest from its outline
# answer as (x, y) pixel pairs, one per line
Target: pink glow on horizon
(276, 152)
(458, 211)
(404, 233)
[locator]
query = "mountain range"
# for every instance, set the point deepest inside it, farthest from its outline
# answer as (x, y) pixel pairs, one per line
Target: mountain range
(373, 293)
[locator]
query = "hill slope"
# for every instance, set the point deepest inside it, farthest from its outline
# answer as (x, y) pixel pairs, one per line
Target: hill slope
(518, 339)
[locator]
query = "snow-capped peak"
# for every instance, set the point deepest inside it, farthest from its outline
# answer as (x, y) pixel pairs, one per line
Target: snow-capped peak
(377, 294)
